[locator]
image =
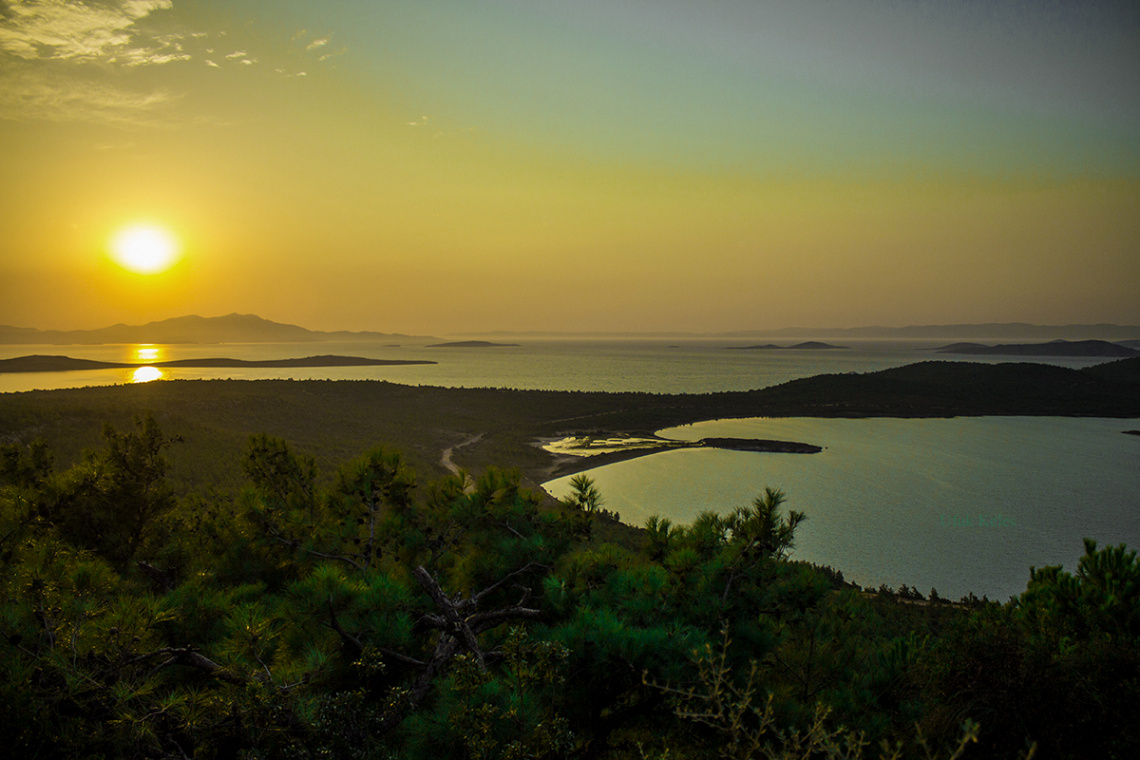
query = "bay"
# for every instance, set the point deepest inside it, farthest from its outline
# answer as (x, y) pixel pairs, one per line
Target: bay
(959, 505)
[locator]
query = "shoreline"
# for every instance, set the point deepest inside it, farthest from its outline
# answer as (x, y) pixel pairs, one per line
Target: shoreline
(335, 420)
(565, 463)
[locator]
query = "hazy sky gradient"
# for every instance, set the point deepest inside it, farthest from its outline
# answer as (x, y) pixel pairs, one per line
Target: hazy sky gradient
(438, 167)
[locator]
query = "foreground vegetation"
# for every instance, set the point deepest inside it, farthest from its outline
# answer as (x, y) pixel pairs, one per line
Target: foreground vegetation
(362, 613)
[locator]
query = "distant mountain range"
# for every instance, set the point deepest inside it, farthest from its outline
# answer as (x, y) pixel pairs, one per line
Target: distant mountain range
(232, 328)
(1009, 331)
(988, 331)
(249, 328)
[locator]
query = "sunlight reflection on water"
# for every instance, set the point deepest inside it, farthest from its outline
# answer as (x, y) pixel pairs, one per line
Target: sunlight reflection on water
(147, 353)
(146, 374)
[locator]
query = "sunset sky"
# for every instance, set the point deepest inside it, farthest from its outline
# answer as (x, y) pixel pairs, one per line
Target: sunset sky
(627, 165)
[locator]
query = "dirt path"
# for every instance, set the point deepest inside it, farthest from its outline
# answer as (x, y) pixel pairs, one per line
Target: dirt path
(445, 458)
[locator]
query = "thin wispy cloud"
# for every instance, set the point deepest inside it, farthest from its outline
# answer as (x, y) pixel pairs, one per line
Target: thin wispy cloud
(47, 48)
(242, 57)
(59, 30)
(57, 58)
(318, 44)
(167, 49)
(41, 95)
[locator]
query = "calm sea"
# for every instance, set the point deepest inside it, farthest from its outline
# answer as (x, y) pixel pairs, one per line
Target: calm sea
(654, 366)
(958, 505)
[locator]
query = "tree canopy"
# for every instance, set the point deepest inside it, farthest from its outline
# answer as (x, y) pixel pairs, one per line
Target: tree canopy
(368, 614)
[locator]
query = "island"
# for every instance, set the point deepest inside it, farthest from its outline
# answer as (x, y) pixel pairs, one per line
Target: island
(811, 345)
(760, 445)
(41, 363)
(472, 344)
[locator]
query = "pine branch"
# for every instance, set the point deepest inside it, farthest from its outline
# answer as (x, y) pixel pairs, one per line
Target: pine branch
(189, 657)
(349, 640)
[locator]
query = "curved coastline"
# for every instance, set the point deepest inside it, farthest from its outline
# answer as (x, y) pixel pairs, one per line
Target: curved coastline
(567, 463)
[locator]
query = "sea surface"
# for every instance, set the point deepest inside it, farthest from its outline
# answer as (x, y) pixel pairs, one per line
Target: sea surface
(653, 366)
(959, 505)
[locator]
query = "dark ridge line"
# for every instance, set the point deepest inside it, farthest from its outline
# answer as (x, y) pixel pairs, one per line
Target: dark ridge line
(43, 363)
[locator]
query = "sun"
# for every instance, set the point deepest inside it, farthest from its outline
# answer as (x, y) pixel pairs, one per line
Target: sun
(144, 249)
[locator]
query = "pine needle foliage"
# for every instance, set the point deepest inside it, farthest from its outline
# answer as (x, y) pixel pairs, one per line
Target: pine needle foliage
(364, 614)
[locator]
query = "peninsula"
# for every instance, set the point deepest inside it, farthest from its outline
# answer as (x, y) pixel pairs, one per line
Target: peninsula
(574, 454)
(40, 363)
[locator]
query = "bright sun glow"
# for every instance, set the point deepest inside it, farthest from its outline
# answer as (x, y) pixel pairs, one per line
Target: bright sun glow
(144, 249)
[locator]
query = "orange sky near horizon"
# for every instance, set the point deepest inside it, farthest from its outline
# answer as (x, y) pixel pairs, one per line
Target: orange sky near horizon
(432, 169)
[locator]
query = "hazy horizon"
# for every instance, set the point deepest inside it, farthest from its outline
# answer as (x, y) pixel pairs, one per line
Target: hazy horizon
(433, 168)
(1006, 331)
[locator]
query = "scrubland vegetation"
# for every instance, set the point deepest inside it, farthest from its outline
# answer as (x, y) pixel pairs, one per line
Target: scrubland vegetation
(362, 611)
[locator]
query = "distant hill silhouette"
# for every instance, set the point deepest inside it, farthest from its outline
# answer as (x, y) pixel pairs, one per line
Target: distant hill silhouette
(951, 388)
(249, 328)
(1076, 348)
(232, 328)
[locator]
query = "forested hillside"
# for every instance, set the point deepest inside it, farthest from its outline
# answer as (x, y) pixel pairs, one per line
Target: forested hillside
(334, 421)
(366, 612)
